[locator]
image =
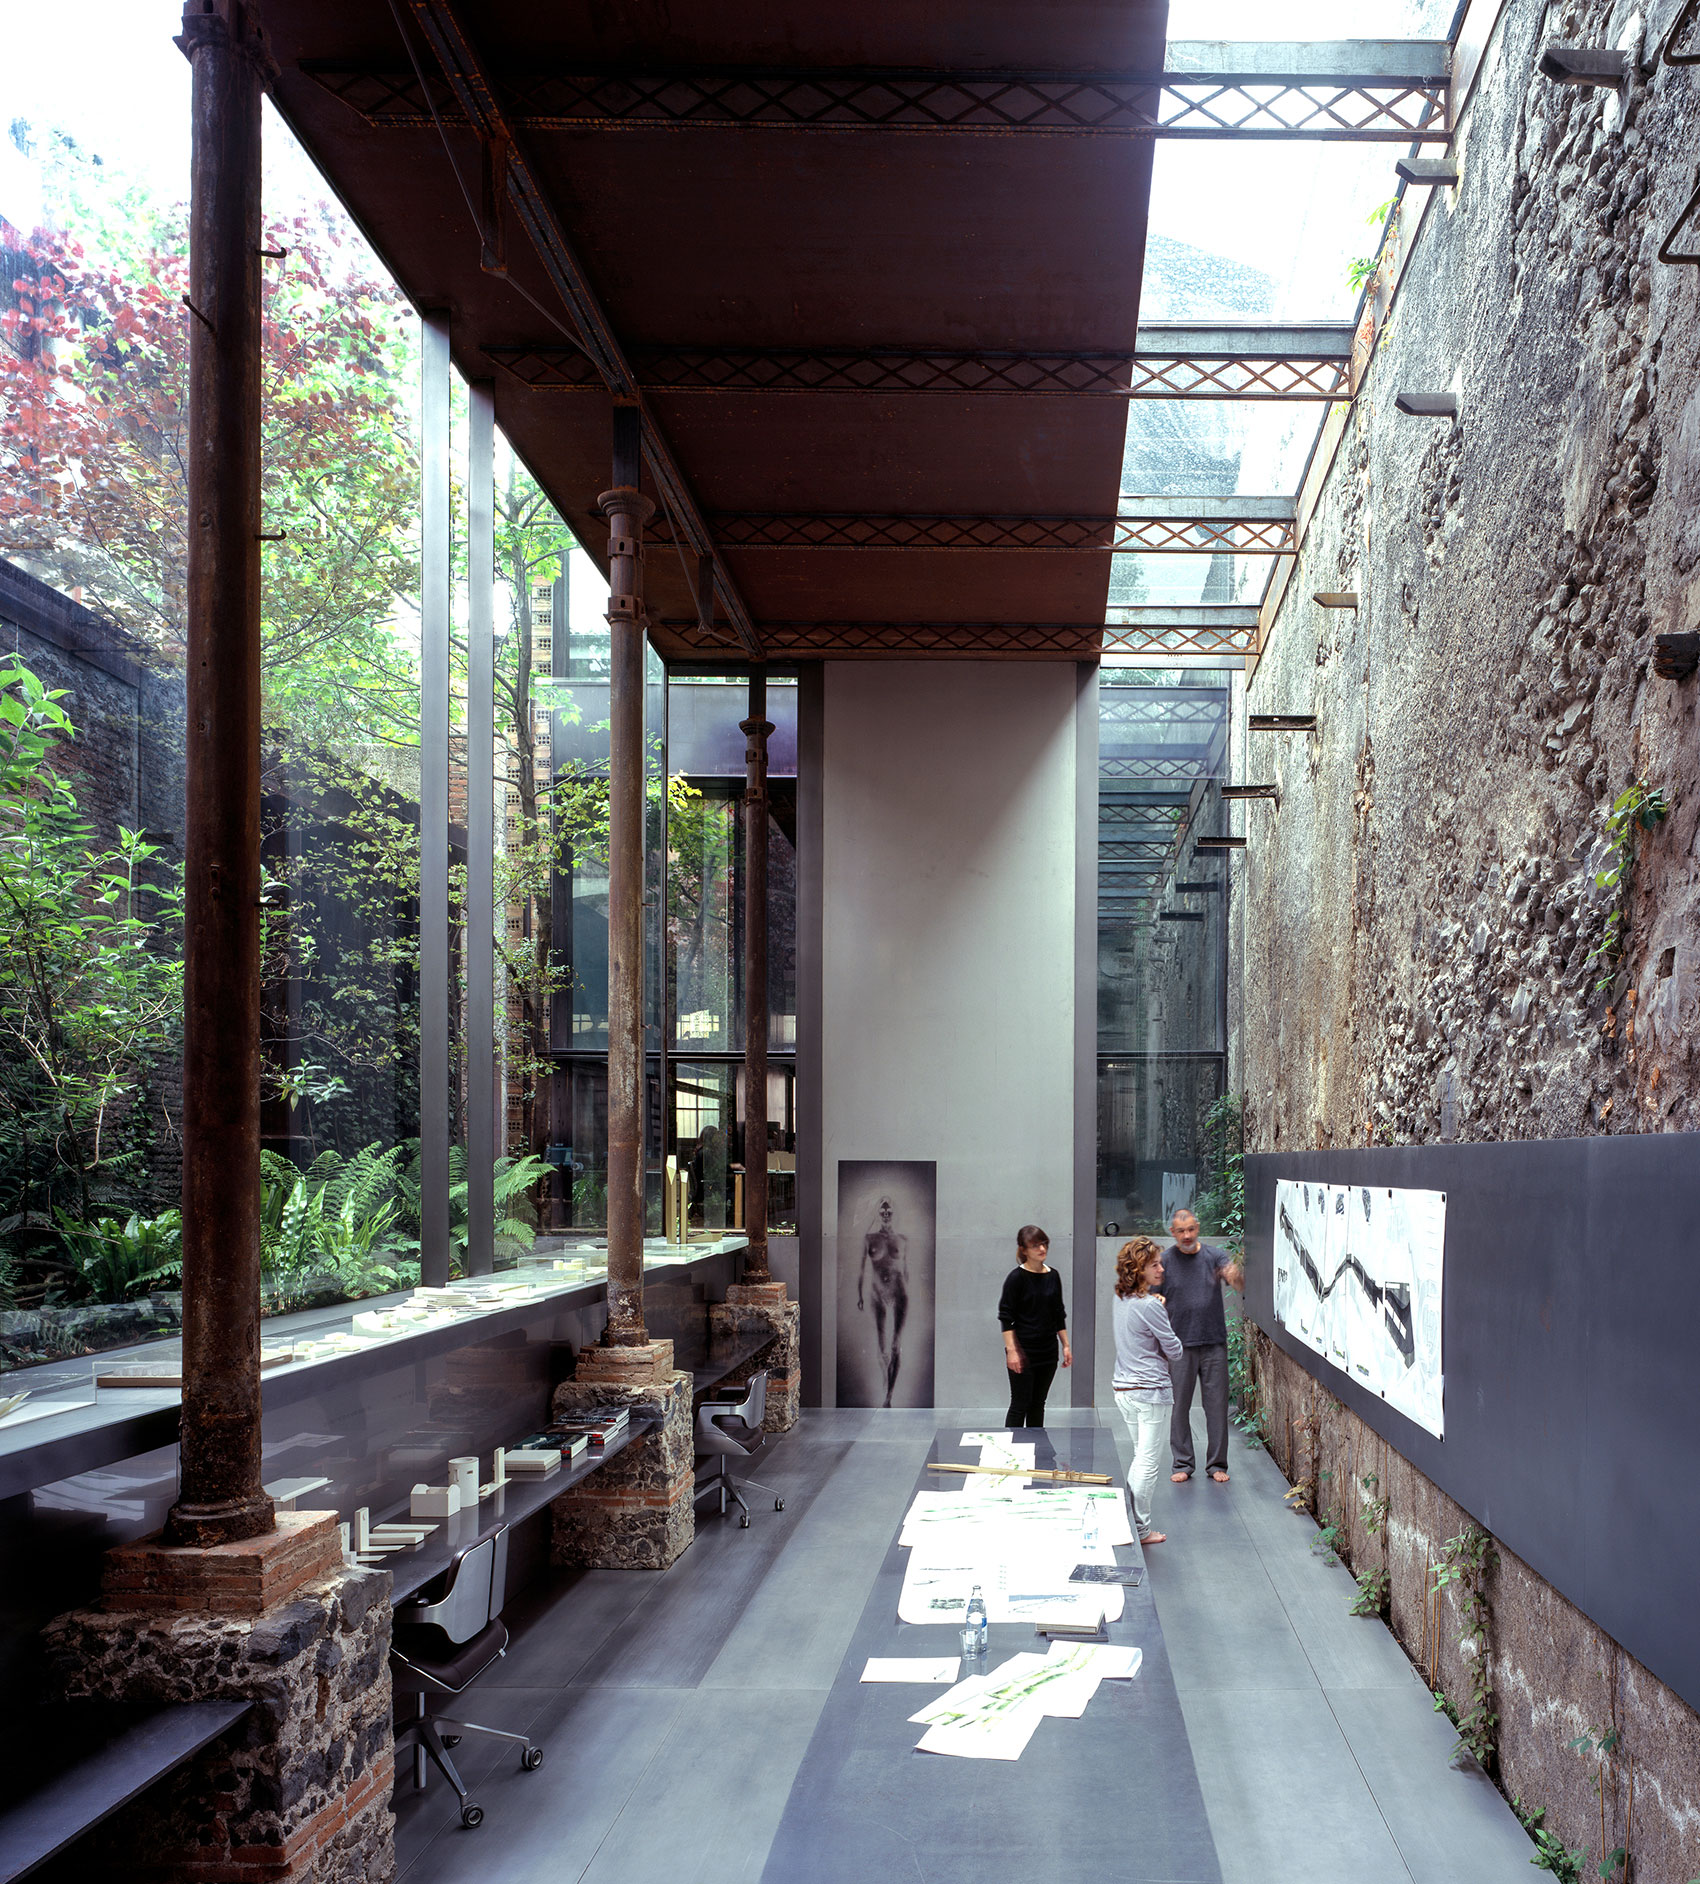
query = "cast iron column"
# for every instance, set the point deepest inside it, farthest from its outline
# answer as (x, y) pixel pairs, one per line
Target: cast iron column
(756, 730)
(219, 1496)
(481, 833)
(627, 511)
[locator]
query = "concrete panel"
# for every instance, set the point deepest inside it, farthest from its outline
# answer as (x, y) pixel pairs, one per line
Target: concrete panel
(948, 969)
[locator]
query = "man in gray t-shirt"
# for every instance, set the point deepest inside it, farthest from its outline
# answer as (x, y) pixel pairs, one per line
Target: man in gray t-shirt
(1193, 1274)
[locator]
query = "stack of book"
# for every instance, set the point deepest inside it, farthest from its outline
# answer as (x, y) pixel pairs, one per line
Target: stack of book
(600, 1425)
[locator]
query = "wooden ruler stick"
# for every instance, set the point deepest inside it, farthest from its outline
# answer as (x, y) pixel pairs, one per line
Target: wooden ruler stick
(1028, 1471)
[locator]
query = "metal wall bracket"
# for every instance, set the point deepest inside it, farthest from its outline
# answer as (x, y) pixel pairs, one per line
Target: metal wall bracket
(1336, 598)
(1684, 19)
(1676, 657)
(1428, 405)
(1233, 792)
(1586, 65)
(1282, 723)
(1666, 252)
(1219, 843)
(1428, 171)
(1180, 915)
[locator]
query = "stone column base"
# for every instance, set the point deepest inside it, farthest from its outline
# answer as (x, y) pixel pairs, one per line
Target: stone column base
(751, 1308)
(298, 1792)
(647, 1365)
(636, 1512)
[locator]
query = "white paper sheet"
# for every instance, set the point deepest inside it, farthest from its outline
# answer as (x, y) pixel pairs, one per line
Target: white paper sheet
(937, 1670)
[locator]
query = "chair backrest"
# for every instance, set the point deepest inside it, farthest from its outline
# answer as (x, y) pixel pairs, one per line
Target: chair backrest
(754, 1408)
(474, 1585)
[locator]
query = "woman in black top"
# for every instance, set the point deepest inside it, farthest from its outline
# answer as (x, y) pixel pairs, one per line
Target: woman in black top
(1030, 1312)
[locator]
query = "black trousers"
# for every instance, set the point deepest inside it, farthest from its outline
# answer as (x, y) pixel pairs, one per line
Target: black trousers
(1207, 1369)
(1027, 1389)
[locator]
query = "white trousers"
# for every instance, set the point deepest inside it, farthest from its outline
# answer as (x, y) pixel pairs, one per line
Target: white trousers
(1147, 1421)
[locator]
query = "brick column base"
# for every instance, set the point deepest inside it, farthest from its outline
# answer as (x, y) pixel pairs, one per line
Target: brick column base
(752, 1308)
(298, 1792)
(636, 1513)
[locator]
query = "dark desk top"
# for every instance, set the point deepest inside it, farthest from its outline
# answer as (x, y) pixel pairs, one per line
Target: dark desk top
(123, 1751)
(519, 1499)
(726, 1357)
(1113, 1794)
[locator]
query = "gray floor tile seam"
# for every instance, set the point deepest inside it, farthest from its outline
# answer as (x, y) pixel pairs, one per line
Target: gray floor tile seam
(638, 1776)
(1328, 1699)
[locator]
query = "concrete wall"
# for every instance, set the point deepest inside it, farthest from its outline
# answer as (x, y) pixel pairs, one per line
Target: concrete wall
(1416, 920)
(947, 972)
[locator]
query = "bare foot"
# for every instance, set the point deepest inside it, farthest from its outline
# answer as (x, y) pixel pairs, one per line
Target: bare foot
(1221, 1478)
(1155, 1537)
(1179, 1478)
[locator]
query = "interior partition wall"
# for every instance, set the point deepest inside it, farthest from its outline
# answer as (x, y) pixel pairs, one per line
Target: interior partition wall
(939, 952)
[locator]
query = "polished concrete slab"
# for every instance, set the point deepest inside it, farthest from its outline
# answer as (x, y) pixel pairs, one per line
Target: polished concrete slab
(1320, 1754)
(677, 1708)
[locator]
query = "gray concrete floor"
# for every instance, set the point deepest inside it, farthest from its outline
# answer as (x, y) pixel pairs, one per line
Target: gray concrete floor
(676, 1708)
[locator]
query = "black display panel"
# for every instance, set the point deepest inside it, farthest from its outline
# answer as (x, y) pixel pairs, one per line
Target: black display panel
(1571, 1351)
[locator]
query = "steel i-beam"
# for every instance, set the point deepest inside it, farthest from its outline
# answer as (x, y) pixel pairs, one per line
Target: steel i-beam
(1353, 91)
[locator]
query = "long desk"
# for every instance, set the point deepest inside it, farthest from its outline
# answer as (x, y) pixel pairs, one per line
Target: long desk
(1112, 1795)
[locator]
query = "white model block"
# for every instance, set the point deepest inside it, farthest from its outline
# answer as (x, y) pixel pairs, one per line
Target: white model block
(434, 1501)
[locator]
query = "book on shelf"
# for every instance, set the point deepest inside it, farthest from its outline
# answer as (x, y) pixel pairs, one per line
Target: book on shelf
(599, 1424)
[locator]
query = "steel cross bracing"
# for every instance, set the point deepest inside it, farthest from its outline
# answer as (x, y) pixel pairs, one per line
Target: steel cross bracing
(1148, 535)
(1170, 362)
(474, 99)
(1083, 641)
(1374, 91)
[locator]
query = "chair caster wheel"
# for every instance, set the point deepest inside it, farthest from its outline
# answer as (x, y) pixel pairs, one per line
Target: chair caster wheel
(471, 1816)
(744, 1522)
(451, 1740)
(779, 1504)
(531, 1759)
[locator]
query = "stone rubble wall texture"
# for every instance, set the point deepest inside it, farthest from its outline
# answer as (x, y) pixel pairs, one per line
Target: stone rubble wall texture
(1416, 919)
(782, 1358)
(298, 1791)
(1555, 1675)
(636, 1512)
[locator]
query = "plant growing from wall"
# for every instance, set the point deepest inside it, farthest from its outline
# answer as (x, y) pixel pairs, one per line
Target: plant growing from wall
(1464, 1563)
(1372, 1505)
(1220, 1201)
(1638, 808)
(1374, 1589)
(1551, 1852)
(1601, 1745)
(1362, 270)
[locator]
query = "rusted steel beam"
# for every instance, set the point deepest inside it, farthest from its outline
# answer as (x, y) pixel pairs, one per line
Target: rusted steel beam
(469, 95)
(627, 511)
(757, 729)
(1367, 92)
(1154, 374)
(220, 1499)
(1174, 535)
(1227, 632)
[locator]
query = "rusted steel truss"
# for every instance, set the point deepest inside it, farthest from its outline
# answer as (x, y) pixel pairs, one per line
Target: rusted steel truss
(941, 370)
(1359, 107)
(989, 640)
(466, 92)
(1177, 535)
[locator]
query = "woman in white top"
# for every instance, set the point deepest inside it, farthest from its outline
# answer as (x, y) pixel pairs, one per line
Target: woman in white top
(1145, 1344)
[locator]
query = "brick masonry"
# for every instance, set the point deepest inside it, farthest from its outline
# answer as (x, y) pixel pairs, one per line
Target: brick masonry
(751, 1308)
(637, 1512)
(298, 1792)
(244, 1579)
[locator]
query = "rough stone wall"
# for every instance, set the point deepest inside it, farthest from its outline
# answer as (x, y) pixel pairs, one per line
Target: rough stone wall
(299, 1790)
(1420, 910)
(636, 1513)
(1415, 922)
(1555, 1676)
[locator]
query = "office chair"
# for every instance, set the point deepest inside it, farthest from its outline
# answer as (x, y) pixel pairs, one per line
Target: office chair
(731, 1429)
(442, 1646)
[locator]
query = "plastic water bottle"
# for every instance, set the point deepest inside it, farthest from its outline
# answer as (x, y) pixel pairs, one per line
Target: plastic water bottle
(1089, 1526)
(977, 1620)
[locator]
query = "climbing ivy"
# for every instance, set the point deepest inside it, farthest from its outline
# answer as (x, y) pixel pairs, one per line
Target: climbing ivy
(1464, 1563)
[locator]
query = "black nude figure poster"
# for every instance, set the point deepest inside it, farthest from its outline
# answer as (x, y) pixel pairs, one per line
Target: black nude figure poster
(886, 1250)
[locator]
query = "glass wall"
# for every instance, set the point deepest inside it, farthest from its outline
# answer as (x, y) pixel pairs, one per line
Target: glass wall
(1162, 939)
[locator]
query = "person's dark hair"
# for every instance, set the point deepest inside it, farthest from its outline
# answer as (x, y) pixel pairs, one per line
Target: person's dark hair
(1132, 1261)
(1030, 1236)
